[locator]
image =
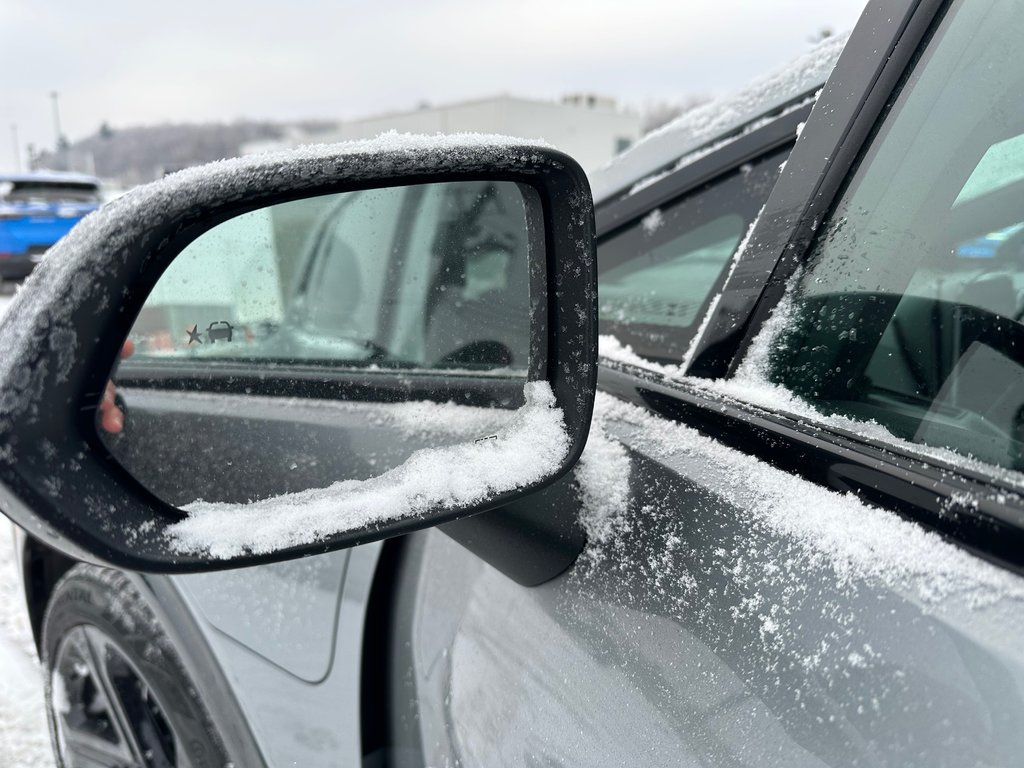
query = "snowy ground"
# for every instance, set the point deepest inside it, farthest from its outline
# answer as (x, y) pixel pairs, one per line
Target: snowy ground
(24, 741)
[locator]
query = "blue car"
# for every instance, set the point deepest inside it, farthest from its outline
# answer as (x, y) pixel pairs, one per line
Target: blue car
(37, 210)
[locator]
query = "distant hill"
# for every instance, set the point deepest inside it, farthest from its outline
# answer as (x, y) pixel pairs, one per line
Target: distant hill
(143, 153)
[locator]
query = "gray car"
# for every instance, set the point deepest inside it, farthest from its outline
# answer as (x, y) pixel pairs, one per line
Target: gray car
(795, 536)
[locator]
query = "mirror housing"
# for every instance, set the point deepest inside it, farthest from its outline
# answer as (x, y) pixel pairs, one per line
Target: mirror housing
(61, 336)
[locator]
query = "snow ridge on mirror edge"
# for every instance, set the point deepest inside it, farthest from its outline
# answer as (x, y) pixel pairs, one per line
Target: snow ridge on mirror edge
(530, 448)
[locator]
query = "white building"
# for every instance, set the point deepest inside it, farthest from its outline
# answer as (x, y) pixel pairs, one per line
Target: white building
(590, 128)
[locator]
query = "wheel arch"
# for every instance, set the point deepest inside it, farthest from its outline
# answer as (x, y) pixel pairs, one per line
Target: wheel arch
(41, 569)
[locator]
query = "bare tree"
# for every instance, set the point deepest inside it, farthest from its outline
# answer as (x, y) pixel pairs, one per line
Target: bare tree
(138, 154)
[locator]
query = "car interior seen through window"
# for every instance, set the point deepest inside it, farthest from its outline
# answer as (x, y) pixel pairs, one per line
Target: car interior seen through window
(657, 276)
(909, 314)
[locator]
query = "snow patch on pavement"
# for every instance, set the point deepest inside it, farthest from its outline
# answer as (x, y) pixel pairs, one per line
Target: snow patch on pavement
(24, 735)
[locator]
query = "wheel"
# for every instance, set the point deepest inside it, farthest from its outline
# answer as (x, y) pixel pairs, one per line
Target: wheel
(117, 693)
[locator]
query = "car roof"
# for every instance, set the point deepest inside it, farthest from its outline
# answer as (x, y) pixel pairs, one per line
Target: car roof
(50, 177)
(716, 120)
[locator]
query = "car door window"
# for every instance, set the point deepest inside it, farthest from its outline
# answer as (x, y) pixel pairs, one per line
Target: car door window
(658, 275)
(909, 312)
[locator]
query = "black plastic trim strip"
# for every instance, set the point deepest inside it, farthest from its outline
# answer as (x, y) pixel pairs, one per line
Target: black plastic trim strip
(613, 214)
(323, 382)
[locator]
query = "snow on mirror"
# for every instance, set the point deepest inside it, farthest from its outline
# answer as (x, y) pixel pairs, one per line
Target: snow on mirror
(327, 363)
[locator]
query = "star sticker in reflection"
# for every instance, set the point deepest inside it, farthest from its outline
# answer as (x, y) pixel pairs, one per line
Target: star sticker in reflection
(194, 335)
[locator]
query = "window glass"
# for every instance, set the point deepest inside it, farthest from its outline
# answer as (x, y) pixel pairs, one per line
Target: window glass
(909, 313)
(670, 282)
(657, 276)
(48, 192)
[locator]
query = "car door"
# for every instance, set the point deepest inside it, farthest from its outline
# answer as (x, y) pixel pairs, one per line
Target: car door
(804, 548)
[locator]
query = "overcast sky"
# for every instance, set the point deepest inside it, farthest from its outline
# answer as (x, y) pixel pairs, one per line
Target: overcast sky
(133, 63)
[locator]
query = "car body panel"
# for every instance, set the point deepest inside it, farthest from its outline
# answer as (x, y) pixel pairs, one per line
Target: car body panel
(700, 635)
(293, 721)
(289, 615)
(737, 613)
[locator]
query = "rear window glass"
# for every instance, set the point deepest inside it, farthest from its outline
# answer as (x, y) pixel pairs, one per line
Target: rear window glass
(46, 192)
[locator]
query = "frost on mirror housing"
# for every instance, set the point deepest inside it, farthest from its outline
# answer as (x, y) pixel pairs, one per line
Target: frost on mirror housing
(296, 352)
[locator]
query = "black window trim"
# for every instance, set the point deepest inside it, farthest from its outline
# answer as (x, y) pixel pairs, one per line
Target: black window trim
(627, 209)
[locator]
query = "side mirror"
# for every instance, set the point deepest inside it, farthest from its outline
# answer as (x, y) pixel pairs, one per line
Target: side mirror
(330, 346)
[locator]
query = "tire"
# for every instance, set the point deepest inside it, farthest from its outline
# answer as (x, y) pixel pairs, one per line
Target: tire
(117, 693)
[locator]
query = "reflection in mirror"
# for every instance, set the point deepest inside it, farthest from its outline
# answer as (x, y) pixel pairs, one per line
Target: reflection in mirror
(429, 276)
(323, 364)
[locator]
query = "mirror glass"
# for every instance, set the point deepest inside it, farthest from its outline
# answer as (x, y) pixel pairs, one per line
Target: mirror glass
(295, 365)
(431, 276)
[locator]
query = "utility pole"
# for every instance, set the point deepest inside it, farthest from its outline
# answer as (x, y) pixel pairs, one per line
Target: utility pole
(60, 149)
(17, 148)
